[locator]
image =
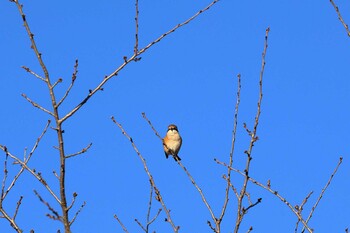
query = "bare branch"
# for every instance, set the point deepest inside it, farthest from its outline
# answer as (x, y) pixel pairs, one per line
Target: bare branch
(228, 178)
(79, 152)
(73, 200)
(136, 47)
(36, 175)
(57, 82)
(323, 191)
(33, 73)
(340, 17)
(142, 227)
(177, 27)
(27, 159)
(250, 229)
(121, 224)
(74, 76)
(37, 105)
(76, 214)
(10, 220)
(300, 209)
(254, 138)
(17, 207)
(268, 188)
(33, 44)
(132, 58)
(188, 174)
(157, 192)
(53, 211)
(4, 181)
(150, 124)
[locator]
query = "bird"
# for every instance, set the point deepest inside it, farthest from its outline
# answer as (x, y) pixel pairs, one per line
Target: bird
(172, 142)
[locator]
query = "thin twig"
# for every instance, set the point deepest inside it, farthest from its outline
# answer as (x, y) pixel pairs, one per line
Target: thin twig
(27, 159)
(17, 207)
(136, 47)
(274, 192)
(37, 176)
(53, 211)
(323, 191)
(250, 229)
(202, 196)
(187, 172)
(157, 192)
(79, 152)
(132, 58)
(228, 178)
(2, 197)
(301, 208)
(76, 214)
(33, 73)
(57, 82)
(37, 105)
(73, 200)
(120, 223)
(254, 138)
(340, 17)
(74, 76)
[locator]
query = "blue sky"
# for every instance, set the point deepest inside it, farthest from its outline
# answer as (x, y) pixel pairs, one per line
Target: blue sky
(189, 79)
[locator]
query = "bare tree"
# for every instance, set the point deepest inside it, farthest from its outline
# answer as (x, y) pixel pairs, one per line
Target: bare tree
(61, 209)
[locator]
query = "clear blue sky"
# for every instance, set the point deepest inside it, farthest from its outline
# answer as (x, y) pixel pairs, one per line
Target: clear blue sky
(188, 79)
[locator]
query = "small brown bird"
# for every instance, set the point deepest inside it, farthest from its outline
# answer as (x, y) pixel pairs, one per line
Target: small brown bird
(172, 142)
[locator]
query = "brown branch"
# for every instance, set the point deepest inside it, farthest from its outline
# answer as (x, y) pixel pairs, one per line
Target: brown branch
(189, 176)
(10, 220)
(33, 73)
(217, 224)
(254, 138)
(301, 208)
(57, 82)
(32, 171)
(323, 191)
(274, 192)
(132, 58)
(250, 229)
(340, 17)
(26, 160)
(73, 200)
(37, 105)
(74, 76)
(53, 211)
(59, 130)
(157, 192)
(79, 152)
(76, 214)
(136, 47)
(150, 123)
(2, 197)
(17, 207)
(228, 178)
(120, 223)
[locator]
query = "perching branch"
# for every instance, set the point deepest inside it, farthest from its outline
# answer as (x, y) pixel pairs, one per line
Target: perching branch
(217, 228)
(156, 190)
